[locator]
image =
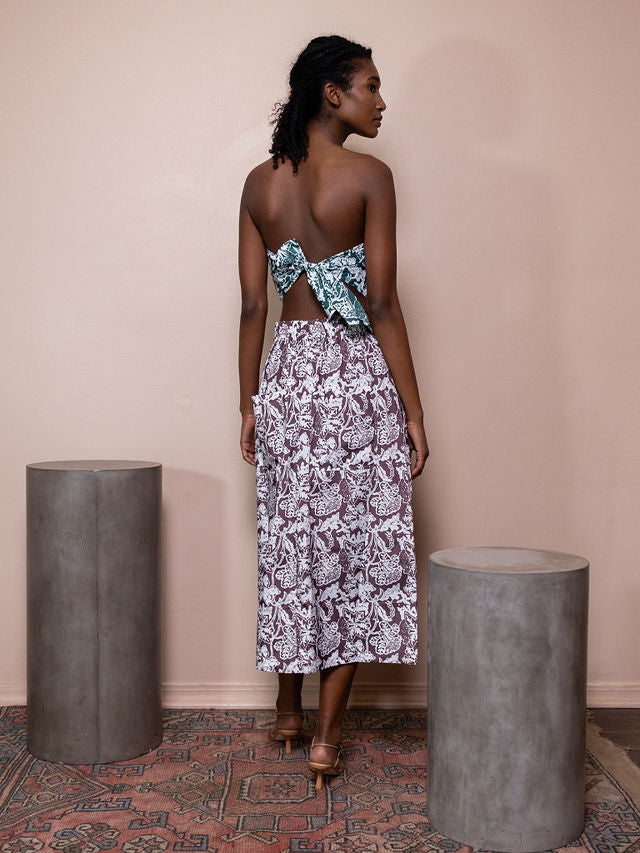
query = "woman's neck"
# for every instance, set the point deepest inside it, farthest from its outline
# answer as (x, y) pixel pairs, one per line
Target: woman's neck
(323, 133)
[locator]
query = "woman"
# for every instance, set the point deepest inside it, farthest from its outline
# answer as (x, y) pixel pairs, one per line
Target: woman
(330, 437)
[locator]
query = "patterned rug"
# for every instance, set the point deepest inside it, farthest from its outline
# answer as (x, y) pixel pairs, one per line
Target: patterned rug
(217, 783)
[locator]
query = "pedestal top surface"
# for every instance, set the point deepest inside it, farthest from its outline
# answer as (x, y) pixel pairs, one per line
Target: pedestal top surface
(508, 560)
(93, 465)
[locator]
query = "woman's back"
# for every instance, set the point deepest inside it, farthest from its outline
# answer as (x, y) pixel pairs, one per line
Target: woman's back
(322, 206)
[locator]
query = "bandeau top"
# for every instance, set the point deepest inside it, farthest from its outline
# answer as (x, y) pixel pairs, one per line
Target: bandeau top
(327, 278)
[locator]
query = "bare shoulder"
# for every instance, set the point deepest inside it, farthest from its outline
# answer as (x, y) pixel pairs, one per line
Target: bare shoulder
(368, 166)
(256, 181)
(372, 174)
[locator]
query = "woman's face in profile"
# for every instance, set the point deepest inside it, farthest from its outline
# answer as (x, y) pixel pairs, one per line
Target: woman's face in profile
(361, 106)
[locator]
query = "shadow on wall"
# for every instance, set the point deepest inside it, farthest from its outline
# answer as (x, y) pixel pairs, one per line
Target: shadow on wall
(199, 601)
(484, 254)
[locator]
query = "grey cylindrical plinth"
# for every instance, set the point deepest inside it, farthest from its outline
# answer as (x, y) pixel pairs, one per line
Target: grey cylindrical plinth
(507, 641)
(93, 639)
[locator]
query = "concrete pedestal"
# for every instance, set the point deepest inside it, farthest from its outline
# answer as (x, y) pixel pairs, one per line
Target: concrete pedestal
(93, 638)
(507, 640)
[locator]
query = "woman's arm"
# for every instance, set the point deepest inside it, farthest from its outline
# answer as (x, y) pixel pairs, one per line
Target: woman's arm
(252, 266)
(383, 308)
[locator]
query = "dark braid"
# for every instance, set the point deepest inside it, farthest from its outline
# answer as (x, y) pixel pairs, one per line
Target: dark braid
(326, 59)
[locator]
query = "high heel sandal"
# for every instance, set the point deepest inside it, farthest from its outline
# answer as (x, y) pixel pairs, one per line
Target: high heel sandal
(287, 735)
(326, 769)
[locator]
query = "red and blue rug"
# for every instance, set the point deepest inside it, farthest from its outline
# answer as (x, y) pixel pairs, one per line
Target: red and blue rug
(217, 783)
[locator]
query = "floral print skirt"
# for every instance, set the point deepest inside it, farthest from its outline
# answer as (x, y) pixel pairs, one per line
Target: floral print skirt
(336, 562)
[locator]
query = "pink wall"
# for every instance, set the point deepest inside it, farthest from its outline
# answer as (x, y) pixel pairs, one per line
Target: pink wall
(512, 129)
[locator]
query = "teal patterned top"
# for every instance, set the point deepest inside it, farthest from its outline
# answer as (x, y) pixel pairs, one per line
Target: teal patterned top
(327, 279)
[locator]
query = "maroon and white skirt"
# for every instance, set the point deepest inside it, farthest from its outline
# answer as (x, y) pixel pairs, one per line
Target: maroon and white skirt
(336, 561)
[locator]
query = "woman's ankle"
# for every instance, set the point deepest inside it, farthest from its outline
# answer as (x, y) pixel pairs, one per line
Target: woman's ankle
(331, 736)
(289, 707)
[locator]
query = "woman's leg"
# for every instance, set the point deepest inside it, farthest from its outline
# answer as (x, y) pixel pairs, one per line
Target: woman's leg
(289, 699)
(335, 686)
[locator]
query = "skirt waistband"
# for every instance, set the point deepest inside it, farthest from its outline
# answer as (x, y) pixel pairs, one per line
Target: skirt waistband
(320, 328)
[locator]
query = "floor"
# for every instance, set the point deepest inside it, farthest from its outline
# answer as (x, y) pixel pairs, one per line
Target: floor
(218, 782)
(622, 727)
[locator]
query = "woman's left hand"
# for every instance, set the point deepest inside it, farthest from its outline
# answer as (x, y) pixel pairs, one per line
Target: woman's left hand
(248, 438)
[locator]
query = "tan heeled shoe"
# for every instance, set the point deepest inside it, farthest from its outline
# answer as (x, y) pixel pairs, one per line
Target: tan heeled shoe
(326, 769)
(287, 735)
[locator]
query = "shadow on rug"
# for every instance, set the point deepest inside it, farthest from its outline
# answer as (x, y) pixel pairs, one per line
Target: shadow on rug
(217, 783)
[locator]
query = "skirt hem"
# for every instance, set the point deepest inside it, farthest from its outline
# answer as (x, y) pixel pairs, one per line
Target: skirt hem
(310, 670)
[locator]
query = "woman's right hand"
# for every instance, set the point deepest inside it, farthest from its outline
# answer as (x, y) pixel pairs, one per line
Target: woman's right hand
(418, 445)
(248, 438)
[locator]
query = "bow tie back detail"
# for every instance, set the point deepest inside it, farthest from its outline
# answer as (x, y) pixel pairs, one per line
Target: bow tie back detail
(327, 278)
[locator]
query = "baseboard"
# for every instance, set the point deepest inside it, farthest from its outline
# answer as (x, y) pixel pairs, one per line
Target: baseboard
(377, 695)
(616, 694)
(13, 693)
(186, 695)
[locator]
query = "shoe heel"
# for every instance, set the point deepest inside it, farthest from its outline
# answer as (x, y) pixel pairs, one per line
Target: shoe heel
(288, 735)
(326, 769)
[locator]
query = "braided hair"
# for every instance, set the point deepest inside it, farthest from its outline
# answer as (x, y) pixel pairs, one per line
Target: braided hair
(326, 59)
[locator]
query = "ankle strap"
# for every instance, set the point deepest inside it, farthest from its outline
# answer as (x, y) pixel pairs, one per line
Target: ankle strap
(330, 745)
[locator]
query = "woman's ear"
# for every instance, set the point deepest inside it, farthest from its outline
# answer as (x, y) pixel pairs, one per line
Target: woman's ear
(332, 93)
